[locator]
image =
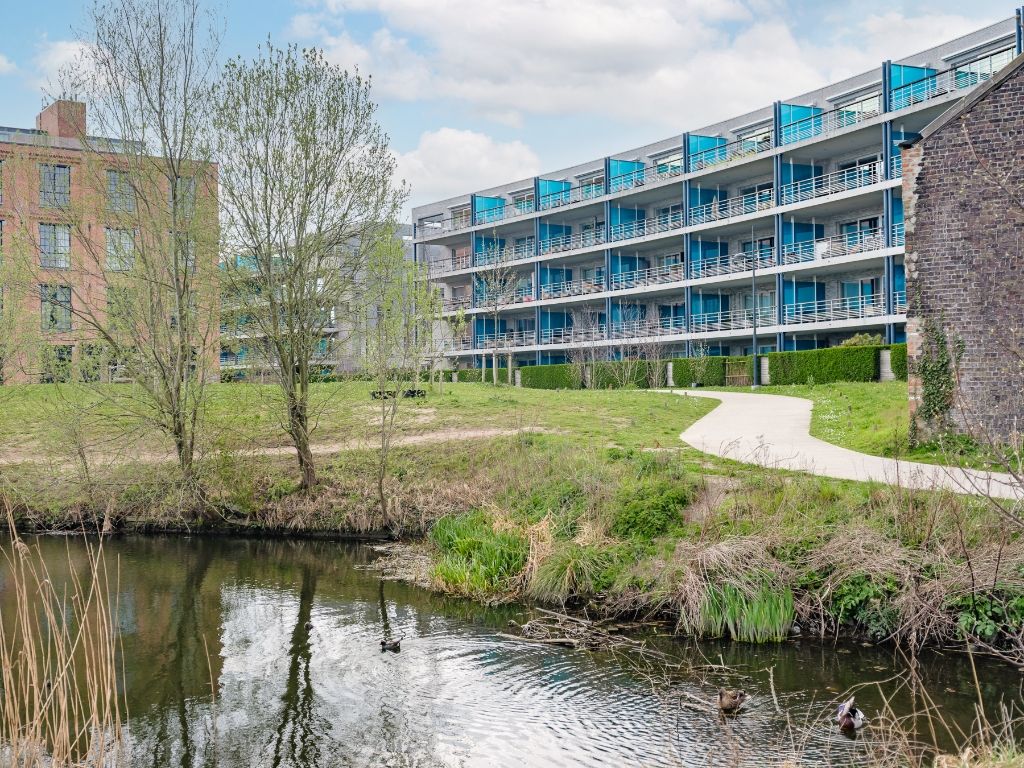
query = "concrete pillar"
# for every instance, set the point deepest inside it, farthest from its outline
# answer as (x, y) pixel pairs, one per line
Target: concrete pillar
(669, 377)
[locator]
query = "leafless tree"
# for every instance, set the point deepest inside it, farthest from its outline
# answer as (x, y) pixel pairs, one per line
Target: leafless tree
(498, 283)
(584, 355)
(306, 179)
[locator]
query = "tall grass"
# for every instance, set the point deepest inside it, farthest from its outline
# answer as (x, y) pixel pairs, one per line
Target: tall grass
(477, 558)
(61, 706)
(571, 570)
(763, 616)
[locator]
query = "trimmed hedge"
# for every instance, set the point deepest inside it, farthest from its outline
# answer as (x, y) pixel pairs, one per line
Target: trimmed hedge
(714, 371)
(562, 376)
(899, 360)
(469, 374)
(823, 366)
(617, 374)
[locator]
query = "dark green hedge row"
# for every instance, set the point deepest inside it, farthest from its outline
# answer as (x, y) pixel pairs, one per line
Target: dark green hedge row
(687, 371)
(899, 361)
(823, 366)
(469, 374)
(617, 374)
(562, 376)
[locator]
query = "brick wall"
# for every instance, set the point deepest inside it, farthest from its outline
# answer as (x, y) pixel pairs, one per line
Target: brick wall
(963, 192)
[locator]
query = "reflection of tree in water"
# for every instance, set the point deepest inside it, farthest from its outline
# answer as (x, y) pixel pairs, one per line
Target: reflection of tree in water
(298, 737)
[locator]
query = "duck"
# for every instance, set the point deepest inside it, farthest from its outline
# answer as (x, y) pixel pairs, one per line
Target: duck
(730, 702)
(849, 717)
(308, 625)
(391, 645)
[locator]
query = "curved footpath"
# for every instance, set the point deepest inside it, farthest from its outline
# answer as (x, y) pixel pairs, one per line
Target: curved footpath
(774, 431)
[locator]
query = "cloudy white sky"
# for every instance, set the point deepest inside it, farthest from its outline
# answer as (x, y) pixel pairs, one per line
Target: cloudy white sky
(475, 93)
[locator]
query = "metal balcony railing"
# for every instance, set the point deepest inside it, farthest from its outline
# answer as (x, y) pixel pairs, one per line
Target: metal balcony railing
(830, 247)
(572, 335)
(896, 166)
(899, 237)
(460, 259)
(580, 287)
(667, 273)
(731, 320)
(734, 262)
(736, 206)
(899, 302)
(648, 226)
(956, 78)
(662, 170)
(516, 296)
(561, 243)
(505, 340)
(832, 183)
(733, 150)
(573, 194)
(834, 120)
(638, 329)
(833, 309)
(455, 303)
(516, 252)
(463, 342)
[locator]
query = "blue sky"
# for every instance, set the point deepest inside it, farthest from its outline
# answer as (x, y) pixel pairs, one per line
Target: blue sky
(474, 94)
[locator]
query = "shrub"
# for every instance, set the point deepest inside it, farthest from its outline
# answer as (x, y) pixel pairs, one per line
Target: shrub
(863, 340)
(469, 374)
(685, 371)
(823, 366)
(573, 570)
(563, 376)
(899, 361)
(866, 603)
(475, 558)
(649, 509)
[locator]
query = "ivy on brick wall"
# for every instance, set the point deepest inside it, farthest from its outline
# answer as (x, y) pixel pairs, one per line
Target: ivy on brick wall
(935, 368)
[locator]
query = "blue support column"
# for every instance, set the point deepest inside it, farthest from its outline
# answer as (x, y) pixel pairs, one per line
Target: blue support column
(1020, 30)
(688, 312)
(887, 218)
(686, 203)
(687, 246)
(777, 123)
(886, 86)
(607, 317)
(536, 281)
(607, 221)
(607, 175)
(686, 152)
(472, 209)
(607, 269)
(887, 150)
(888, 282)
(779, 280)
(777, 178)
(536, 329)
(778, 238)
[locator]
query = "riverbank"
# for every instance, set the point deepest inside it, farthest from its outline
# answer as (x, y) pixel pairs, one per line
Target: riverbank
(581, 498)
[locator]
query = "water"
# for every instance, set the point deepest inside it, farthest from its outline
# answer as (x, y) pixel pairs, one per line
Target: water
(221, 669)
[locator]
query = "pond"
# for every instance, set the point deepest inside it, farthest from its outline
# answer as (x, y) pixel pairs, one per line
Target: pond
(267, 653)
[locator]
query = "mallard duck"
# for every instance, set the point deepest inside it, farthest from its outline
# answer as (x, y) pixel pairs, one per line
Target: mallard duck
(391, 645)
(849, 717)
(731, 701)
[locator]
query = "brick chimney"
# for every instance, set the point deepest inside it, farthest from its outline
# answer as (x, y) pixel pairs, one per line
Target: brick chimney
(64, 119)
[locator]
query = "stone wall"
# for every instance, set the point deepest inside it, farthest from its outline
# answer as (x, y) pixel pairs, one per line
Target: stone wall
(963, 193)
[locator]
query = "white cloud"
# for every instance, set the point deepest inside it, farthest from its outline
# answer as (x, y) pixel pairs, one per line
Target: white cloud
(6, 65)
(52, 56)
(447, 162)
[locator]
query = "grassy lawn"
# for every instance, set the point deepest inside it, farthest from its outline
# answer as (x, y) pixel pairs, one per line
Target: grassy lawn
(44, 419)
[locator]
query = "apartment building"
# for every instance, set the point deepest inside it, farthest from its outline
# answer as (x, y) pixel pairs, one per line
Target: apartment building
(69, 233)
(780, 229)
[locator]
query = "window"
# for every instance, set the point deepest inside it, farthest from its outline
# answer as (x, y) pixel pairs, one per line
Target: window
(865, 289)
(672, 214)
(120, 249)
(862, 234)
(762, 247)
(184, 194)
(54, 185)
(120, 195)
(460, 218)
(55, 307)
(57, 364)
(592, 187)
(523, 202)
(54, 246)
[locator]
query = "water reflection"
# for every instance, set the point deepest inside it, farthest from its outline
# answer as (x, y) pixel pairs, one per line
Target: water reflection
(243, 653)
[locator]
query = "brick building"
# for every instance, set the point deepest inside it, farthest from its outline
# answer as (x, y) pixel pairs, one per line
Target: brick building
(963, 193)
(70, 229)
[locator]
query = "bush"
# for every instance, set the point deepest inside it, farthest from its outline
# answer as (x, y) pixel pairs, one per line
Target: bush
(863, 340)
(823, 366)
(649, 509)
(573, 570)
(469, 374)
(620, 374)
(475, 558)
(563, 376)
(899, 361)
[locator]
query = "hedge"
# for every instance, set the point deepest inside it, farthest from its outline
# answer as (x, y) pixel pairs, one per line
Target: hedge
(899, 360)
(823, 366)
(618, 374)
(468, 374)
(562, 376)
(714, 371)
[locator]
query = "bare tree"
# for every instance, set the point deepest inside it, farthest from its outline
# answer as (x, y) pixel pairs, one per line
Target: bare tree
(584, 356)
(144, 300)
(401, 305)
(498, 282)
(306, 179)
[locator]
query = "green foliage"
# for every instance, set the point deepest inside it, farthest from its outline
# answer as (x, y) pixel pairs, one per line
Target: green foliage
(864, 602)
(823, 366)
(574, 570)
(863, 340)
(563, 376)
(475, 558)
(987, 615)
(621, 374)
(935, 367)
(760, 617)
(649, 508)
(899, 361)
(469, 374)
(563, 500)
(687, 370)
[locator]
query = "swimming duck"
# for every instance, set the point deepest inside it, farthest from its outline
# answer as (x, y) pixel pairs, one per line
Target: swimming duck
(391, 645)
(849, 717)
(731, 701)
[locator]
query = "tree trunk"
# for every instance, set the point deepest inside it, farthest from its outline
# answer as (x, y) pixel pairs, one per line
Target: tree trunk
(298, 428)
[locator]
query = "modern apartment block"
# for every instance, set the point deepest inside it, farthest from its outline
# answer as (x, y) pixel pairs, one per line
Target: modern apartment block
(784, 224)
(69, 234)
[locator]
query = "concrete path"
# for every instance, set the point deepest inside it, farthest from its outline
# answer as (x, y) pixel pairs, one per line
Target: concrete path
(774, 431)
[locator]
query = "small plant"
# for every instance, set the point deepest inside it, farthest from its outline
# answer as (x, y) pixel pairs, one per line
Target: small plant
(475, 558)
(572, 570)
(649, 509)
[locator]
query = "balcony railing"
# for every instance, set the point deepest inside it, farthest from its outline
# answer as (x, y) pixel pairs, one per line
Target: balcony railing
(455, 303)
(896, 166)
(505, 340)
(667, 273)
(962, 76)
(638, 329)
(899, 302)
(736, 206)
(834, 309)
(834, 120)
(572, 242)
(899, 237)
(574, 194)
(832, 183)
(731, 320)
(571, 288)
(648, 226)
(516, 296)
(572, 335)
(516, 252)
(734, 150)
(734, 262)
(831, 247)
(460, 259)
(665, 169)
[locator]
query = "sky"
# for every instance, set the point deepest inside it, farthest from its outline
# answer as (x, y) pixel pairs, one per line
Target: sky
(473, 94)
